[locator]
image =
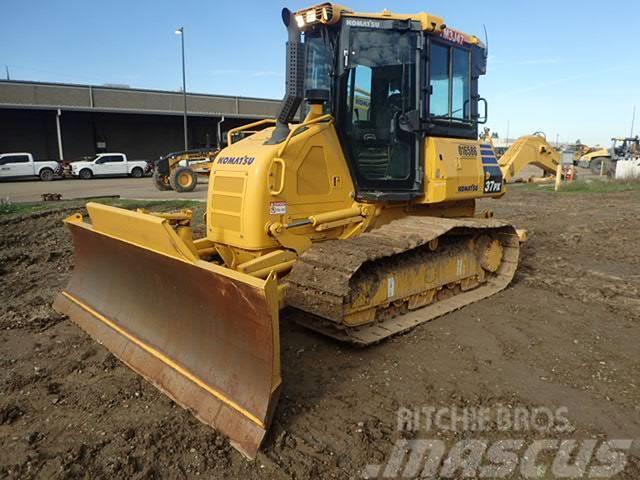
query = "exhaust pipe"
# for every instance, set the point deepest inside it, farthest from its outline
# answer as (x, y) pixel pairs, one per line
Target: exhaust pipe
(294, 80)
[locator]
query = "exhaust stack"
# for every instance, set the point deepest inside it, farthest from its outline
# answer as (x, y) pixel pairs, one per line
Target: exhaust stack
(294, 80)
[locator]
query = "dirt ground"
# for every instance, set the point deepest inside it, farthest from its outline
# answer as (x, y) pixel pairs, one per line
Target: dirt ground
(565, 333)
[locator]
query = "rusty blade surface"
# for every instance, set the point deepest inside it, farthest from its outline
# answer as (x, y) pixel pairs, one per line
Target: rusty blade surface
(207, 338)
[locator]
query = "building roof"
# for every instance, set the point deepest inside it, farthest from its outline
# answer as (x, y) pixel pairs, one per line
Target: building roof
(46, 96)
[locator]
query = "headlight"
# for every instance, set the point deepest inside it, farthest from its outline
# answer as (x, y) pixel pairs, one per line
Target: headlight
(326, 13)
(311, 16)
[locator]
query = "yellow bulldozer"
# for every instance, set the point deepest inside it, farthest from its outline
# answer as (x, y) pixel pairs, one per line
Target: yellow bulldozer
(361, 218)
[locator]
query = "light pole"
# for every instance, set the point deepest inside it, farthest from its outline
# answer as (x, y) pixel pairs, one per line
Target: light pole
(180, 32)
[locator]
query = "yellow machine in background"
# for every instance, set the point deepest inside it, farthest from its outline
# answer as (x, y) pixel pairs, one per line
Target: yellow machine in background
(529, 150)
(362, 217)
(526, 150)
(179, 170)
(594, 159)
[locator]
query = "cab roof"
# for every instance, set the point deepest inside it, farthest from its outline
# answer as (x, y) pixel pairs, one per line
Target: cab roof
(331, 13)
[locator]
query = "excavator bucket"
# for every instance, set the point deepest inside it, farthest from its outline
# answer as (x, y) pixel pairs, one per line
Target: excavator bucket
(205, 335)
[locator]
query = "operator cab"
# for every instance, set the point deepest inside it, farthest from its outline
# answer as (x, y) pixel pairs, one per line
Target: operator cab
(625, 148)
(391, 83)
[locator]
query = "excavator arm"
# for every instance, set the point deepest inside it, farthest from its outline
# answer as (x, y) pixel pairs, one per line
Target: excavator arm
(529, 150)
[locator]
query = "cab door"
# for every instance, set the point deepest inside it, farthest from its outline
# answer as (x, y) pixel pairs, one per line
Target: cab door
(113, 165)
(377, 96)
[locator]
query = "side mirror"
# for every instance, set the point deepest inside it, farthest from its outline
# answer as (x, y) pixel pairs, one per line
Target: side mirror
(317, 95)
(410, 121)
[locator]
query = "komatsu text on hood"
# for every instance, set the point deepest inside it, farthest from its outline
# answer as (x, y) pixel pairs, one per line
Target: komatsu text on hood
(244, 160)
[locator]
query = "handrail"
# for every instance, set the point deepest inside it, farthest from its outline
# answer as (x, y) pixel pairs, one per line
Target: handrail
(281, 182)
(233, 131)
(304, 124)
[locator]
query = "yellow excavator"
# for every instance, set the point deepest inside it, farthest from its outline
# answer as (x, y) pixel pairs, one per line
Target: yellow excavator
(526, 150)
(361, 219)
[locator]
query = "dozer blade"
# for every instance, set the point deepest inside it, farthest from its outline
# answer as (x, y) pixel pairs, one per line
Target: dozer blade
(204, 335)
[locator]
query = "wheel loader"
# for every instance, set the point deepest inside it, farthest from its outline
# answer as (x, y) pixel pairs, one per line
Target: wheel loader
(360, 219)
(179, 171)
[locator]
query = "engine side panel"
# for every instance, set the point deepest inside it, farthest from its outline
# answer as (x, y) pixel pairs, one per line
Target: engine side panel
(457, 169)
(245, 175)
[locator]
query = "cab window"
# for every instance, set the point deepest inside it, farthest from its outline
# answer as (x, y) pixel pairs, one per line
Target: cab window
(14, 159)
(439, 101)
(450, 82)
(110, 159)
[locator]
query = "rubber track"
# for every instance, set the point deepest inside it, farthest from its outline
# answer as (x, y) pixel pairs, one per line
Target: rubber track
(319, 281)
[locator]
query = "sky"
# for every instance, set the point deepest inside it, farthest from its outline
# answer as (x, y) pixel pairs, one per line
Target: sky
(568, 68)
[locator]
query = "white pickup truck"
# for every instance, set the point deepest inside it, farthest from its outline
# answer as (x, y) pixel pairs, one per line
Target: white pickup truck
(109, 165)
(22, 165)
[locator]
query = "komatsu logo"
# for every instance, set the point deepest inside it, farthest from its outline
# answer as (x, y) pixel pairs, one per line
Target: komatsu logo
(244, 160)
(363, 23)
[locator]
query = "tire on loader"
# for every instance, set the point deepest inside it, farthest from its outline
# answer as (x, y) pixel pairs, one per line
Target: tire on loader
(183, 179)
(161, 182)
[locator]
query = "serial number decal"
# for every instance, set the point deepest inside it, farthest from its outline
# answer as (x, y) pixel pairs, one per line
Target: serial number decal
(467, 151)
(244, 160)
(468, 188)
(453, 36)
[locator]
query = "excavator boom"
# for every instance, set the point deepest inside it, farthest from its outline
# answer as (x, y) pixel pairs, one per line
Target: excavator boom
(529, 150)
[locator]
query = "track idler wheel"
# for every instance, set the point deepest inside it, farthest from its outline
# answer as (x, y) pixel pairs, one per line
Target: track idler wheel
(489, 252)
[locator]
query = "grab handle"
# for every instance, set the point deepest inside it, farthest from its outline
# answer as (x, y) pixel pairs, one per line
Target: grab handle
(280, 189)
